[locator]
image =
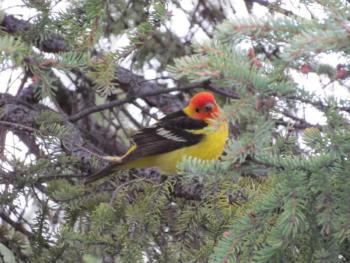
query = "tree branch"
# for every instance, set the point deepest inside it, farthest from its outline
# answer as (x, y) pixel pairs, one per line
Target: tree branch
(14, 248)
(20, 228)
(128, 99)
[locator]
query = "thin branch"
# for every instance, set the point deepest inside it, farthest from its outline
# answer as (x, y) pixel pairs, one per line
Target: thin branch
(319, 104)
(131, 118)
(48, 178)
(146, 111)
(128, 99)
(272, 7)
(131, 98)
(297, 126)
(23, 82)
(19, 227)
(116, 115)
(301, 123)
(19, 126)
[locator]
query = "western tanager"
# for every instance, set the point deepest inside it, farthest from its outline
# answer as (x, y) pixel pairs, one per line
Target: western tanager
(199, 130)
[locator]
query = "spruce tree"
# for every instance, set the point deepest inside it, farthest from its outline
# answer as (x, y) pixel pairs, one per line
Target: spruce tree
(280, 192)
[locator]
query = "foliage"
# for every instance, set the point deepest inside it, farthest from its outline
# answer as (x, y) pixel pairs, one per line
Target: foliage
(280, 191)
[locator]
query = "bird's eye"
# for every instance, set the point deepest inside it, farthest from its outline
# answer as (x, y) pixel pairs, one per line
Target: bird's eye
(208, 107)
(197, 110)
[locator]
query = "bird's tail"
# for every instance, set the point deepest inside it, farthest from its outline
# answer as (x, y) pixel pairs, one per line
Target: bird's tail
(105, 171)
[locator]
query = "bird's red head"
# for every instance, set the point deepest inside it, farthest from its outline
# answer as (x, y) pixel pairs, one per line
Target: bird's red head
(203, 106)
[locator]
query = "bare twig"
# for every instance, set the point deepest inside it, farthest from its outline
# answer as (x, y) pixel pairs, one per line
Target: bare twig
(116, 103)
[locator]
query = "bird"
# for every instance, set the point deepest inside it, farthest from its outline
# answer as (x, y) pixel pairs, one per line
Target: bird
(200, 130)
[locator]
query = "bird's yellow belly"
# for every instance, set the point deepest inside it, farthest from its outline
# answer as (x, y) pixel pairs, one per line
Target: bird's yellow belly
(210, 148)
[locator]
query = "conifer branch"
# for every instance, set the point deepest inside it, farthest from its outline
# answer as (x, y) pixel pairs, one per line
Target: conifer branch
(13, 246)
(281, 186)
(20, 228)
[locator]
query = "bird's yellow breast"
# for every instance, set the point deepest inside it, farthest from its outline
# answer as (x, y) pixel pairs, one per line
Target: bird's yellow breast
(210, 148)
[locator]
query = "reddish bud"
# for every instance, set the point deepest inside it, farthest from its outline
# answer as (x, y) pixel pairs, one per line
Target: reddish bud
(48, 63)
(256, 62)
(214, 73)
(340, 66)
(341, 73)
(35, 79)
(227, 233)
(270, 102)
(251, 53)
(305, 69)
(169, 14)
(347, 29)
(237, 28)
(259, 104)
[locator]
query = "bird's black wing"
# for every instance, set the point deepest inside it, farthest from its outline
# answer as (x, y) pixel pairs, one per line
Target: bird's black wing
(169, 134)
